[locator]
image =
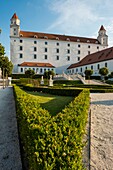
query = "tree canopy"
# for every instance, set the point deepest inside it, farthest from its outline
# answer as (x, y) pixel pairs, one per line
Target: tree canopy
(88, 73)
(48, 73)
(29, 73)
(5, 64)
(103, 71)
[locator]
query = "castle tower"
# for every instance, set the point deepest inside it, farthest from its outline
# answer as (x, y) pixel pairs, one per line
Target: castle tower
(14, 26)
(102, 37)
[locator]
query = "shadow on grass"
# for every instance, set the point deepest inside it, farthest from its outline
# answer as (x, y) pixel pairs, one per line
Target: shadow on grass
(53, 103)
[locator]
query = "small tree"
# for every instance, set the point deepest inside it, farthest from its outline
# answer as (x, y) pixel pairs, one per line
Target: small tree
(103, 72)
(29, 73)
(48, 73)
(88, 73)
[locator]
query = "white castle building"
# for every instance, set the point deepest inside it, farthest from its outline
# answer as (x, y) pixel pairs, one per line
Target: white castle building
(44, 51)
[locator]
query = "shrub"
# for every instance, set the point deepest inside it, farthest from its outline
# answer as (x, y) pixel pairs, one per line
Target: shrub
(52, 142)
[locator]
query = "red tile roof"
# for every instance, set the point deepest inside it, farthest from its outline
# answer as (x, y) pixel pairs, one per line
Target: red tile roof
(104, 55)
(102, 28)
(35, 64)
(14, 16)
(68, 38)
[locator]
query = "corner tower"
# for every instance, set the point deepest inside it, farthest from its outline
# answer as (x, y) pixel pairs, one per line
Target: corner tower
(102, 37)
(14, 26)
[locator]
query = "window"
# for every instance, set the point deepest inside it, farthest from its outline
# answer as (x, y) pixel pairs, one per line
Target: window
(76, 70)
(78, 58)
(78, 51)
(86, 68)
(57, 57)
(97, 47)
(57, 50)
(79, 45)
(21, 55)
(68, 51)
(35, 42)
(45, 49)
(21, 48)
(68, 45)
(98, 66)
(88, 52)
(14, 33)
(44, 69)
(88, 46)
(21, 41)
(57, 44)
(21, 70)
(105, 64)
(45, 57)
(14, 29)
(68, 58)
(35, 49)
(91, 67)
(46, 43)
(35, 56)
(81, 69)
(14, 40)
(41, 70)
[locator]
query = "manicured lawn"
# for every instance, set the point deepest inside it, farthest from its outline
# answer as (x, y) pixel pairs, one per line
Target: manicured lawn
(54, 104)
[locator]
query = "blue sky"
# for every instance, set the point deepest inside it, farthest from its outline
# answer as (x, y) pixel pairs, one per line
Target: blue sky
(73, 17)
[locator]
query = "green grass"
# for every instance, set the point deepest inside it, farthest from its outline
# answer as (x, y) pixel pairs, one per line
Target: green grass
(54, 104)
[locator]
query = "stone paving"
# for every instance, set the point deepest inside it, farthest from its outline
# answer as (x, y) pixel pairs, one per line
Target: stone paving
(9, 144)
(101, 131)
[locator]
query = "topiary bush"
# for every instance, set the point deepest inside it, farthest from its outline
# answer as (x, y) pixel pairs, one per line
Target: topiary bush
(52, 142)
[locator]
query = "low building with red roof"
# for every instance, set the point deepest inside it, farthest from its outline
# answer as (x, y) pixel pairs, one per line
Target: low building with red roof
(94, 61)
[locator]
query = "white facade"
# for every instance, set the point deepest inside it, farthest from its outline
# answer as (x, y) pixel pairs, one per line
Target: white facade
(95, 67)
(60, 53)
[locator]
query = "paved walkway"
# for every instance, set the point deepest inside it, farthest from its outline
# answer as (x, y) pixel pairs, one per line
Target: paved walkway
(102, 131)
(9, 144)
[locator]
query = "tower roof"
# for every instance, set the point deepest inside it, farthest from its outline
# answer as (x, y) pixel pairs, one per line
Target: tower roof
(102, 28)
(14, 16)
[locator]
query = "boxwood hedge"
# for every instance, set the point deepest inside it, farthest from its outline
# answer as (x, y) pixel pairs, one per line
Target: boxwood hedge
(52, 143)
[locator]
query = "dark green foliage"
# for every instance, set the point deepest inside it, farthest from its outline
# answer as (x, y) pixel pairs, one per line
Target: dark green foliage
(48, 73)
(5, 64)
(2, 50)
(55, 91)
(67, 82)
(52, 143)
(88, 73)
(103, 71)
(29, 73)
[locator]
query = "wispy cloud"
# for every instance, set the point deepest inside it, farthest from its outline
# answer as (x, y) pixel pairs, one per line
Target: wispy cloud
(72, 14)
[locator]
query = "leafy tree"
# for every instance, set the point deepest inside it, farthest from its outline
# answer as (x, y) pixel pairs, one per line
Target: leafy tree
(5, 64)
(111, 74)
(29, 73)
(103, 71)
(2, 50)
(48, 73)
(88, 73)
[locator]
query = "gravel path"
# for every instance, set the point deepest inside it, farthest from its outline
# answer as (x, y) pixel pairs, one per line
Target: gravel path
(9, 144)
(102, 131)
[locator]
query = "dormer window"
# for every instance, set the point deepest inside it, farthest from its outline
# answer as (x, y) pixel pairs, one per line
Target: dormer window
(21, 35)
(88, 41)
(78, 40)
(68, 39)
(57, 38)
(35, 36)
(45, 37)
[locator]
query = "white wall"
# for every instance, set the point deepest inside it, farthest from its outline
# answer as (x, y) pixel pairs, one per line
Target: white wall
(61, 64)
(95, 68)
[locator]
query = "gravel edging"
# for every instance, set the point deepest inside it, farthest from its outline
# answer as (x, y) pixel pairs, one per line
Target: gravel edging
(10, 158)
(101, 131)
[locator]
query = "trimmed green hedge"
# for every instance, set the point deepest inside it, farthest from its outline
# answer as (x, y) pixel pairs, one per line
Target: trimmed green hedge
(52, 143)
(55, 91)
